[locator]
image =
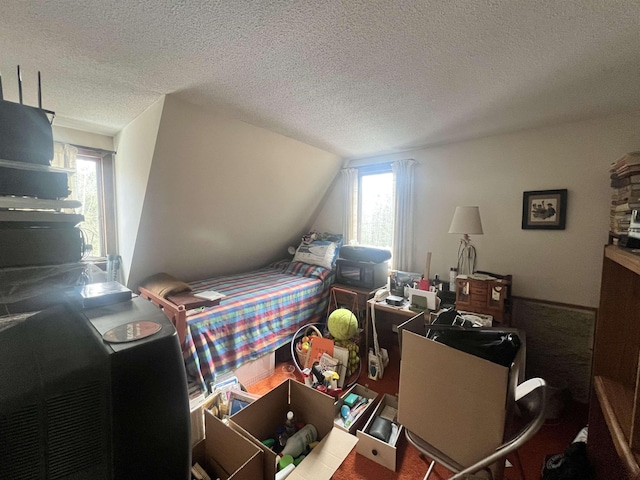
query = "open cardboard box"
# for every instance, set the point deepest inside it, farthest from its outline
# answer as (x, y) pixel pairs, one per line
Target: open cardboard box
(225, 454)
(363, 415)
(261, 419)
(385, 454)
(457, 402)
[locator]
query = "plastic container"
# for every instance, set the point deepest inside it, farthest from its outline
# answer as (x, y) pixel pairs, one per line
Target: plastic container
(281, 439)
(453, 273)
(285, 472)
(297, 444)
(290, 424)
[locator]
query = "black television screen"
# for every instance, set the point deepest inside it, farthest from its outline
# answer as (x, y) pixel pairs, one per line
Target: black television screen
(74, 405)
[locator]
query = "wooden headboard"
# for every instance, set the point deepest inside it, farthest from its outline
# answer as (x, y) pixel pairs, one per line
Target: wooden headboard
(176, 313)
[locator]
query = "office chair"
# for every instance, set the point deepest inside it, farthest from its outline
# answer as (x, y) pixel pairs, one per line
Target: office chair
(531, 402)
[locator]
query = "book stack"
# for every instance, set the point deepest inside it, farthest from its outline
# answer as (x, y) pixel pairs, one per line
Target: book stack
(625, 181)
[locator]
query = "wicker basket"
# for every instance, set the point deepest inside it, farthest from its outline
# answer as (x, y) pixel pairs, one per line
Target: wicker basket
(304, 356)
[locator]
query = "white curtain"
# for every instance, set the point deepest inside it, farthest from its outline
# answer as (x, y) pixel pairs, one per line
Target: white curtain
(403, 215)
(350, 195)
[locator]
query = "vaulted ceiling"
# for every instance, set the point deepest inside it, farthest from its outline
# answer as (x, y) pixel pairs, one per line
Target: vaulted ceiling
(354, 77)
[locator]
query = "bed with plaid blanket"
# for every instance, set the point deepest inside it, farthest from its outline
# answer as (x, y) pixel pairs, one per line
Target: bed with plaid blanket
(260, 312)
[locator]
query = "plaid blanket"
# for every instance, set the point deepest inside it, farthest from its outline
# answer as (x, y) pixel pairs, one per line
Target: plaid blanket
(260, 313)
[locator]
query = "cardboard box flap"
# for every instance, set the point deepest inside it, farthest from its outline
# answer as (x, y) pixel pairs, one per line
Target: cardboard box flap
(312, 406)
(452, 400)
(325, 459)
(232, 455)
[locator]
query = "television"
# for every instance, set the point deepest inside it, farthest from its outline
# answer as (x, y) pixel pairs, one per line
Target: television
(95, 393)
(361, 274)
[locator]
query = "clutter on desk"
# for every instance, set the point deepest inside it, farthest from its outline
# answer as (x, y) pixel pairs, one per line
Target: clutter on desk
(398, 280)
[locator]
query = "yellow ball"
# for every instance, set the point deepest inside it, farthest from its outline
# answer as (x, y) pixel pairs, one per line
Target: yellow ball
(342, 324)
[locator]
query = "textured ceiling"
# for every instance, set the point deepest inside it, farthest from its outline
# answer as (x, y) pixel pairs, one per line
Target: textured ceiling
(354, 77)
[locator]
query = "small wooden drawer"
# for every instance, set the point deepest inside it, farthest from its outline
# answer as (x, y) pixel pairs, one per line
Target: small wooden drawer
(479, 289)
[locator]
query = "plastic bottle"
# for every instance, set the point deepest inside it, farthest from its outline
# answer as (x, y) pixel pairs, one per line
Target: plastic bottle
(282, 439)
(290, 424)
(437, 284)
(299, 441)
(453, 273)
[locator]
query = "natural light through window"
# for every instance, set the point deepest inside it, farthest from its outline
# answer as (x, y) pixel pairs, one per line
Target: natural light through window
(86, 191)
(376, 209)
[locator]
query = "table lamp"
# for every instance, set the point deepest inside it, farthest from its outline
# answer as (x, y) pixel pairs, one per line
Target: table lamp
(466, 220)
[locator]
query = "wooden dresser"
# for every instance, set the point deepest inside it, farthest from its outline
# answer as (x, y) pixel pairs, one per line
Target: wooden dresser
(490, 296)
(614, 408)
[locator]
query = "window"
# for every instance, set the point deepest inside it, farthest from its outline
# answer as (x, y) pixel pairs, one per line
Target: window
(378, 208)
(375, 206)
(91, 183)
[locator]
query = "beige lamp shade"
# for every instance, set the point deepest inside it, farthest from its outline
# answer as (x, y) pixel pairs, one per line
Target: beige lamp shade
(466, 220)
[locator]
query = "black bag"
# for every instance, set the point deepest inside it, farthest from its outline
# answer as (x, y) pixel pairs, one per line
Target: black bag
(25, 134)
(497, 346)
(572, 464)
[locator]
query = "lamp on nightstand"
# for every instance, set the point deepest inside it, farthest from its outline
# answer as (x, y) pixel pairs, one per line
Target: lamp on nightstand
(466, 220)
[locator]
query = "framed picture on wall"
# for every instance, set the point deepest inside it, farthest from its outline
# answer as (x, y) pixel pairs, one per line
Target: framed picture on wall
(544, 210)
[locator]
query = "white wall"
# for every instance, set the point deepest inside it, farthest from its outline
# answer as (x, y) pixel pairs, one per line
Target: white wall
(561, 266)
(135, 145)
(222, 196)
(86, 139)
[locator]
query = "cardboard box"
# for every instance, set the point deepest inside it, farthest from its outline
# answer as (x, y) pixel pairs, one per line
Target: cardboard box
(362, 416)
(380, 452)
(457, 402)
(261, 419)
(226, 454)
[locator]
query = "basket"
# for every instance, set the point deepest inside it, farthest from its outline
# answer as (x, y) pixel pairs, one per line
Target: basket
(304, 356)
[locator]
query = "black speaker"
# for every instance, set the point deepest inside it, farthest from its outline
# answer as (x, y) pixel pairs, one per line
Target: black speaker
(25, 134)
(361, 253)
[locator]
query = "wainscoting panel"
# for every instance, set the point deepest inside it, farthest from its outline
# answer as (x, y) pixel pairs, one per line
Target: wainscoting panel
(559, 344)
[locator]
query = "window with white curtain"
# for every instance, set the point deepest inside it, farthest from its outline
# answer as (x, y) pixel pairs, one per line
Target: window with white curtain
(375, 206)
(378, 208)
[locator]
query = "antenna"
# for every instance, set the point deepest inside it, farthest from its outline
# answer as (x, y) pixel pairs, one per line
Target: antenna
(1, 96)
(39, 91)
(19, 85)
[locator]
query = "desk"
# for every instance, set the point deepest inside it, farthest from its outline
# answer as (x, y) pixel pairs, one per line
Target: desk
(388, 318)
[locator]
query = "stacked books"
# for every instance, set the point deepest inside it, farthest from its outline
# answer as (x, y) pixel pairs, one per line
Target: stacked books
(625, 181)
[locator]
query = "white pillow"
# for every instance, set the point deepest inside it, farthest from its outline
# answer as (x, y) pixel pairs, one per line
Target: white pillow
(318, 252)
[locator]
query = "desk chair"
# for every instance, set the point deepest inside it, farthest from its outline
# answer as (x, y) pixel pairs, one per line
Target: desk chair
(531, 402)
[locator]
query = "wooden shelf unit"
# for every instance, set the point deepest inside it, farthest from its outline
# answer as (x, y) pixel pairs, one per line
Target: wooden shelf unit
(615, 399)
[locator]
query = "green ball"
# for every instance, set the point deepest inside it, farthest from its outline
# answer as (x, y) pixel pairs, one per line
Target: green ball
(342, 324)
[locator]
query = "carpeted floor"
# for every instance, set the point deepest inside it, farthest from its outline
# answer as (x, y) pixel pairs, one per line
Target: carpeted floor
(553, 438)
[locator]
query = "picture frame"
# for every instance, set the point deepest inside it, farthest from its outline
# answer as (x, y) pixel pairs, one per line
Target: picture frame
(544, 210)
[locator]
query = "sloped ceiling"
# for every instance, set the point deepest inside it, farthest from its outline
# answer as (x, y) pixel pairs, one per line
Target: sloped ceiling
(353, 77)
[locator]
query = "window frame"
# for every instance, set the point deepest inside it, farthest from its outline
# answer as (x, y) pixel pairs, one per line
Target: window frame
(105, 180)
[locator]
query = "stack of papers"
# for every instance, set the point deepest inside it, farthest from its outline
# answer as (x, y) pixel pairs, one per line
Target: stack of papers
(209, 295)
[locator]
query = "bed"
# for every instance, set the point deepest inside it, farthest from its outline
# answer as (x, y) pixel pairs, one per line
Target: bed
(260, 312)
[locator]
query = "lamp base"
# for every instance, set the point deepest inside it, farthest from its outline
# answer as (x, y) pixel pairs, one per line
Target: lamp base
(466, 257)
